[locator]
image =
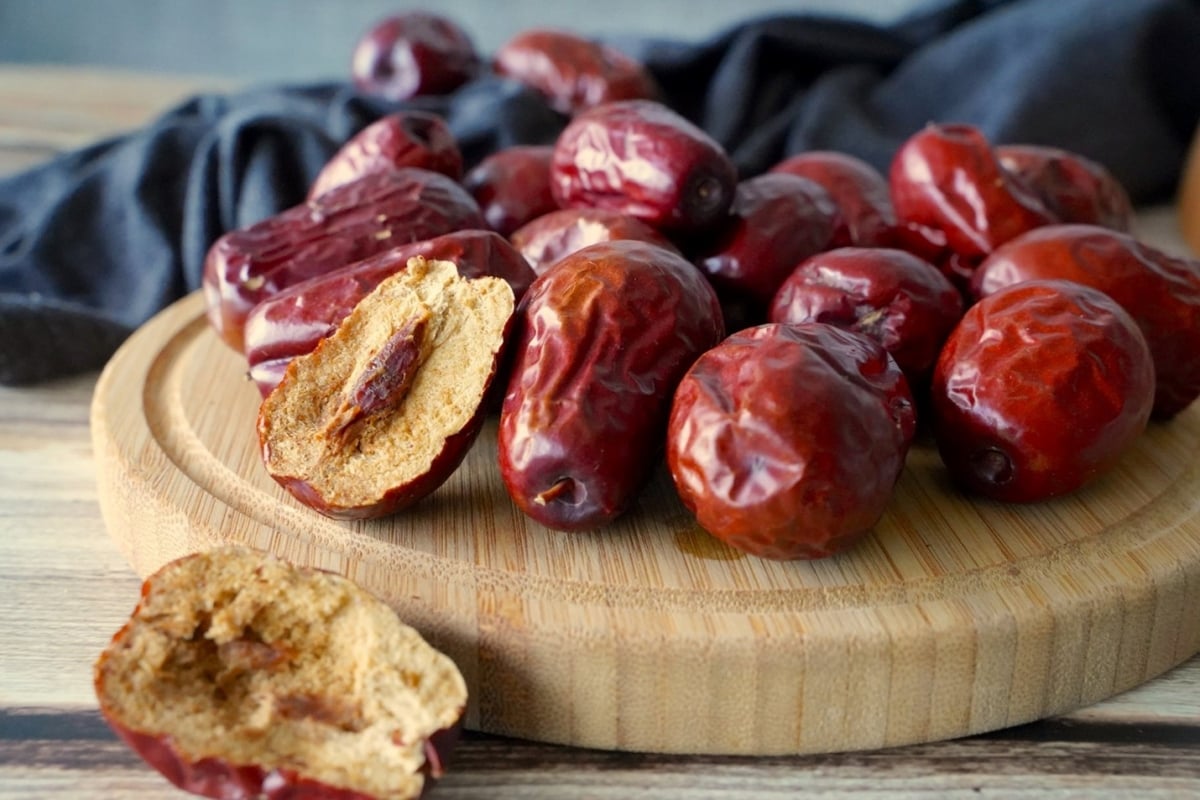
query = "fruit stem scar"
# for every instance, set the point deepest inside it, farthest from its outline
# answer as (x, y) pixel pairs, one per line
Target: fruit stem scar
(560, 487)
(385, 380)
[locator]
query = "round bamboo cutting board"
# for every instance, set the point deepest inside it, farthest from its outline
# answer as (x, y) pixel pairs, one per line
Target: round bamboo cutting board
(955, 616)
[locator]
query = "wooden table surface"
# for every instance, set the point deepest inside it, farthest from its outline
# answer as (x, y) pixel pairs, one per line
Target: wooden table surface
(66, 589)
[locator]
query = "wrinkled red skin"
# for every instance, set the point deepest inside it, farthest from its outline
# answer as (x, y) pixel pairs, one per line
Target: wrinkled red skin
(607, 333)
(572, 73)
(954, 203)
(413, 54)
(1039, 390)
(1160, 292)
(890, 295)
(292, 322)
(786, 441)
(553, 236)
(859, 190)
(512, 186)
(1074, 188)
(776, 221)
(639, 157)
(370, 215)
(403, 139)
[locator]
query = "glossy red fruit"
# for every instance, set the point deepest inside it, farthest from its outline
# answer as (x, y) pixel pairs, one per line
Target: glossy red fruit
(786, 441)
(1074, 188)
(403, 139)
(639, 157)
(553, 236)
(953, 200)
(414, 53)
(292, 322)
(890, 295)
(1039, 390)
(359, 219)
(1161, 293)
(512, 186)
(573, 73)
(859, 190)
(607, 333)
(776, 221)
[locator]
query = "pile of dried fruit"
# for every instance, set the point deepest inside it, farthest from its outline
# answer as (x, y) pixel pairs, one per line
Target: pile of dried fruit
(776, 337)
(629, 296)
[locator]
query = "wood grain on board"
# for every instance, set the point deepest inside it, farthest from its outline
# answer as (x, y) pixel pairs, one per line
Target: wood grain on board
(955, 616)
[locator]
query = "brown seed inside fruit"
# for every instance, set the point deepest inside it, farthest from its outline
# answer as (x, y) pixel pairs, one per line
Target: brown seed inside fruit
(384, 381)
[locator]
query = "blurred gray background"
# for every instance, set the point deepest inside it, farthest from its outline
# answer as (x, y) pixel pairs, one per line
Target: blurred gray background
(304, 40)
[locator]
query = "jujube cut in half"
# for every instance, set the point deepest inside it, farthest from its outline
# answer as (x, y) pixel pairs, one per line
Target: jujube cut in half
(403, 139)
(786, 441)
(413, 54)
(384, 410)
(1161, 292)
(291, 323)
(606, 334)
(639, 157)
(1039, 390)
(240, 676)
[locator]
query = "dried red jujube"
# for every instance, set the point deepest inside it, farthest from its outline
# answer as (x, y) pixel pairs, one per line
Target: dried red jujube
(347, 224)
(512, 186)
(404, 139)
(607, 333)
(786, 441)
(552, 236)
(639, 157)
(573, 73)
(412, 54)
(890, 295)
(1040, 389)
(860, 191)
(1161, 293)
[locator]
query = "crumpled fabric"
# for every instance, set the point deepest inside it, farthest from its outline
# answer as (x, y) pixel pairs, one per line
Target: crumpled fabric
(95, 241)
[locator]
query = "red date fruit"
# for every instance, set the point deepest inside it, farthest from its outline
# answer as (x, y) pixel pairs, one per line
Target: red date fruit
(951, 194)
(786, 441)
(403, 139)
(413, 54)
(776, 221)
(639, 157)
(374, 213)
(383, 411)
(512, 186)
(292, 322)
(608, 332)
(860, 191)
(892, 296)
(571, 72)
(1160, 292)
(551, 237)
(1074, 188)
(1041, 388)
(239, 675)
